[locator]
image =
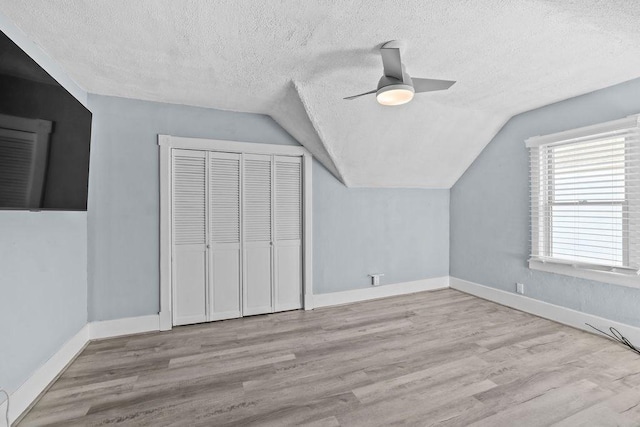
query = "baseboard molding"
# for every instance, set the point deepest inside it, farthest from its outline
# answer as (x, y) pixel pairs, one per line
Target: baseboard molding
(127, 326)
(567, 316)
(27, 394)
(308, 302)
(382, 291)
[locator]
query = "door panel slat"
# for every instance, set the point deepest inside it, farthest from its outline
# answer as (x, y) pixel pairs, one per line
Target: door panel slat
(189, 210)
(257, 200)
(288, 200)
(225, 199)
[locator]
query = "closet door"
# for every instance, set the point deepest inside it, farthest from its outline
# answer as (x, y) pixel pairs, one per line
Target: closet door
(224, 227)
(257, 219)
(189, 237)
(288, 233)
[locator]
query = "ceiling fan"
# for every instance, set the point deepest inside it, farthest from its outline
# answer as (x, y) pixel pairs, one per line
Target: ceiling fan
(396, 87)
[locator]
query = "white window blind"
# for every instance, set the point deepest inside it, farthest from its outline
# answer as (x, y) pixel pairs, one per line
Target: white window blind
(585, 197)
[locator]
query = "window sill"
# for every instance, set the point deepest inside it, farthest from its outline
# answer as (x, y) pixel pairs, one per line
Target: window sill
(632, 281)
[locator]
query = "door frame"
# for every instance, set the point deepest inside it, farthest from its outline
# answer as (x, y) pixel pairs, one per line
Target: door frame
(167, 143)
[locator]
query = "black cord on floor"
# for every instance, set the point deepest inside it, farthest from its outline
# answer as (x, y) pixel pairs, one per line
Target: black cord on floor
(617, 336)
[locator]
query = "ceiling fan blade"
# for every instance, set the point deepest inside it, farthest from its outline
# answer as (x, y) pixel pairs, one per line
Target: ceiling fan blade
(430, 85)
(362, 94)
(391, 62)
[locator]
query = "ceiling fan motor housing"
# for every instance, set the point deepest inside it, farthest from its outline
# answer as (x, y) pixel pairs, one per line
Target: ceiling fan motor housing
(392, 91)
(386, 81)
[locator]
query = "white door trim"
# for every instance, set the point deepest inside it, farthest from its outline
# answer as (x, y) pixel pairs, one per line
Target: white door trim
(167, 143)
(307, 242)
(230, 146)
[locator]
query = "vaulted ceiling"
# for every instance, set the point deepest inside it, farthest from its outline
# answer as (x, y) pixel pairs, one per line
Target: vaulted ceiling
(296, 60)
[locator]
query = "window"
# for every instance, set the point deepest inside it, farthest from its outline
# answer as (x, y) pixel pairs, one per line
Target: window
(584, 197)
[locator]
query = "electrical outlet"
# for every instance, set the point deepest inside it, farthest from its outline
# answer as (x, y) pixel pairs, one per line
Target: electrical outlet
(375, 279)
(520, 288)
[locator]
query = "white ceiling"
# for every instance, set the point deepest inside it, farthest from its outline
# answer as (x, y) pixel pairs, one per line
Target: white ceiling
(296, 60)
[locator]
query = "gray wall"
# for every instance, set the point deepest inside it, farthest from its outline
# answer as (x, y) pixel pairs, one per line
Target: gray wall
(43, 288)
(43, 266)
(402, 233)
(490, 210)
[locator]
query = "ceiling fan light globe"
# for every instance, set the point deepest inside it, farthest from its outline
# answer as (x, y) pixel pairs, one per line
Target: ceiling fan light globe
(395, 94)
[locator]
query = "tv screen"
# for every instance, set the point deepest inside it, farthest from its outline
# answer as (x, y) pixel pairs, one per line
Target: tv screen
(45, 135)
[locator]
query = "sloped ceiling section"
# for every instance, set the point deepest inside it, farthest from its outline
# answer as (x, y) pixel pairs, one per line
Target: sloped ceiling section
(296, 60)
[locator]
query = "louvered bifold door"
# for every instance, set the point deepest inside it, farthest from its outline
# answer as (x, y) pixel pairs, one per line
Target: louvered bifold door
(258, 249)
(189, 258)
(288, 233)
(224, 228)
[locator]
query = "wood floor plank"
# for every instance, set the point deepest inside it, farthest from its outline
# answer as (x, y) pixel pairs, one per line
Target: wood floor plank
(440, 358)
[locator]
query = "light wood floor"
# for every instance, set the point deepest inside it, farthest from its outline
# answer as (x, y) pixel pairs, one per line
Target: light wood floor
(434, 358)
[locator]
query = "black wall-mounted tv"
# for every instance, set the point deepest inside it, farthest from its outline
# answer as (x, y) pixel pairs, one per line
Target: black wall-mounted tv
(45, 136)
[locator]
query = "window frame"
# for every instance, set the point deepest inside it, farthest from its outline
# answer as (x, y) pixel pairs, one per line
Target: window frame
(583, 270)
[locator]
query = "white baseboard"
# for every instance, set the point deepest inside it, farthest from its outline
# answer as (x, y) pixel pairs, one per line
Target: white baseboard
(557, 313)
(382, 291)
(308, 302)
(165, 320)
(28, 392)
(127, 326)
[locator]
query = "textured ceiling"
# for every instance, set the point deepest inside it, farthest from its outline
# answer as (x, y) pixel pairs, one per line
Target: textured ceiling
(296, 60)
